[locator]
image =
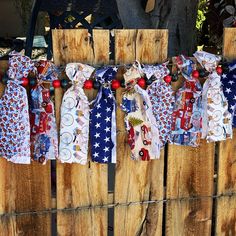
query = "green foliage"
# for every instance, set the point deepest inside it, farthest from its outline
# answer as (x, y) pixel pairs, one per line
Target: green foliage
(202, 10)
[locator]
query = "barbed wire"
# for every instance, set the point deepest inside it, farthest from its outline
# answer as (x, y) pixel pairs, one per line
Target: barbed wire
(114, 205)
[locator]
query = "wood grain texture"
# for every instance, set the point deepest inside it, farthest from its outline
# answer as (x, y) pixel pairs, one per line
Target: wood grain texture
(226, 182)
(137, 180)
(24, 188)
(229, 43)
(79, 185)
(190, 172)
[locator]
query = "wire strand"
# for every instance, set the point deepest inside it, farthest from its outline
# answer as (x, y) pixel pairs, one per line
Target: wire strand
(114, 205)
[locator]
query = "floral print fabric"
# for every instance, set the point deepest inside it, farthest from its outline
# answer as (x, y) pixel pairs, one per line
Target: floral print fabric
(14, 115)
(74, 130)
(217, 122)
(143, 134)
(162, 100)
(187, 112)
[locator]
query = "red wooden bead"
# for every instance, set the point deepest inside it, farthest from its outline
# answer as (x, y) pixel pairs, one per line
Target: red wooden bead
(25, 81)
(142, 82)
(88, 84)
(219, 70)
(195, 74)
(115, 84)
(56, 83)
(167, 79)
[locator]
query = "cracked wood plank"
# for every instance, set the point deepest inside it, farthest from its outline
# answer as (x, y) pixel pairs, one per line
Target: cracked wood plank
(226, 182)
(24, 188)
(137, 180)
(79, 185)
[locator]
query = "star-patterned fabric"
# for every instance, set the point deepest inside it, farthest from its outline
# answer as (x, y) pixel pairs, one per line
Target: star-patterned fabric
(140, 123)
(44, 138)
(103, 119)
(187, 113)
(217, 121)
(162, 99)
(229, 87)
(74, 130)
(14, 114)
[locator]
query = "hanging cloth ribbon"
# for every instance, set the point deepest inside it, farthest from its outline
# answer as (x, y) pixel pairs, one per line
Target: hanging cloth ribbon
(74, 130)
(229, 87)
(44, 138)
(143, 134)
(187, 113)
(217, 122)
(162, 99)
(14, 115)
(103, 119)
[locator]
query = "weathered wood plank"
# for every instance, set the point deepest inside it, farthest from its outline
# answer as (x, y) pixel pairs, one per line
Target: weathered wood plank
(137, 181)
(190, 173)
(79, 185)
(229, 43)
(24, 188)
(226, 182)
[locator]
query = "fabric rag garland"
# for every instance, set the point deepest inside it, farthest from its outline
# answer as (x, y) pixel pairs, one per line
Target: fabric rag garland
(74, 130)
(187, 113)
(162, 99)
(103, 119)
(44, 138)
(143, 134)
(14, 115)
(229, 87)
(217, 122)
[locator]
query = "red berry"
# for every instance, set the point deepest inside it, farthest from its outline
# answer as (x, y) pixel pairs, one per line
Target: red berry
(25, 81)
(195, 74)
(115, 84)
(88, 84)
(56, 83)
(219, 70)
(167, 79)
(142, 82)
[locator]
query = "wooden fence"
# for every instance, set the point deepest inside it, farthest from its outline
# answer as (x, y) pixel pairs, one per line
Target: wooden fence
(189, 180)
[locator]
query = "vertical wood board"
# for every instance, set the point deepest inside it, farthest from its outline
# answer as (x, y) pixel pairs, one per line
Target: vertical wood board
(137, 180)
(79, 185)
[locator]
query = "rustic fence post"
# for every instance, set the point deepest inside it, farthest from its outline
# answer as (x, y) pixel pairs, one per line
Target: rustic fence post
(24, 188)
(137, 180)
(79, 185)
(226, 181)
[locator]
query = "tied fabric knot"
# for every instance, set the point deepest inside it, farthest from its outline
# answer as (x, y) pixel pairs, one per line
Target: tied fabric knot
(74, 129)
(44, 138)
(103, 119)
(229, 87)
(14, 114)
(217, 121)
(162, 99)
(140, 123)
(19, 66)
(187, 111)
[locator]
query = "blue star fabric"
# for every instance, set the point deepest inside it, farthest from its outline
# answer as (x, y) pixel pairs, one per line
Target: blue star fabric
(229, 87)
(103, 119)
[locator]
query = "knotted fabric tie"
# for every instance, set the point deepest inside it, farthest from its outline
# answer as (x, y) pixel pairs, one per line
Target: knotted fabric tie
(103, 119)
(162, 99)
(74, 131)
(14, 115)
(143, 134)
(44, 138)
(229, 88)
(217, 121)
(187, 113)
